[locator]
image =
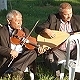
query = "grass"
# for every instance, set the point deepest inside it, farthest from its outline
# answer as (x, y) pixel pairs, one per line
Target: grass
(33, 10)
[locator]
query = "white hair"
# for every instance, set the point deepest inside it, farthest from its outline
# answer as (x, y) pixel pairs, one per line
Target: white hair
(11, 14)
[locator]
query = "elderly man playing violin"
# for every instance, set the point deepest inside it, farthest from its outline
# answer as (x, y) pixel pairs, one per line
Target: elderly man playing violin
(14, 57)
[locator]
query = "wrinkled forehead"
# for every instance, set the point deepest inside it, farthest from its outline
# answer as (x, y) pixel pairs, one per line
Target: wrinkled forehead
(66, 11)
(17, 16)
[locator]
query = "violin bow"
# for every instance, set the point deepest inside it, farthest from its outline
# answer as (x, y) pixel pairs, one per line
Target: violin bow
(33, 28)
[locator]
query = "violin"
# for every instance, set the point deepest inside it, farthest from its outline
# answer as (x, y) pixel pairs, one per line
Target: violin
(19, 37)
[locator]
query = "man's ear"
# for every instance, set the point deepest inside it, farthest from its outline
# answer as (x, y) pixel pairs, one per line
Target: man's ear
(8, 21)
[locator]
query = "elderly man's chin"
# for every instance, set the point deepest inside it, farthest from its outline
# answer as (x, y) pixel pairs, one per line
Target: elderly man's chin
(18, 27)
(67, 19)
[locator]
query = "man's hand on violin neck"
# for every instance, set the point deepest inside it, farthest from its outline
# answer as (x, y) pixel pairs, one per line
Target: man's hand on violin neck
(14, 53)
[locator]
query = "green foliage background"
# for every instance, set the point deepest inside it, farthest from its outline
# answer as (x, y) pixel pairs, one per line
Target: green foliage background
(33, 10)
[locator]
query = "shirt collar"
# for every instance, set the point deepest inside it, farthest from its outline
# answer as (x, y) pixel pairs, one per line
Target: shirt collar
(63, 21)
(10, 29)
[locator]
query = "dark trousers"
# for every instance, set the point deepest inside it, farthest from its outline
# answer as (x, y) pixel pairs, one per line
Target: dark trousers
(24, 60)
(21, 62)
(51, 58)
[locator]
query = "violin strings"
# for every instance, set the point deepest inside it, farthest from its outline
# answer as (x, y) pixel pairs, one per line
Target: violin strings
(30, 32)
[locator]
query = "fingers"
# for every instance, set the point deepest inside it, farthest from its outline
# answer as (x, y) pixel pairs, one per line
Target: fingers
(41, 50)
(51, 37)
(14, 53)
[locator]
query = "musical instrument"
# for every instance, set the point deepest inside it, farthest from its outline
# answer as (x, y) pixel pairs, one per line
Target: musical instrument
(20, 38)
(59, 38)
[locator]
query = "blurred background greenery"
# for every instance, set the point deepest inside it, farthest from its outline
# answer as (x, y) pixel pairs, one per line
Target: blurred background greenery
(33, 10)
